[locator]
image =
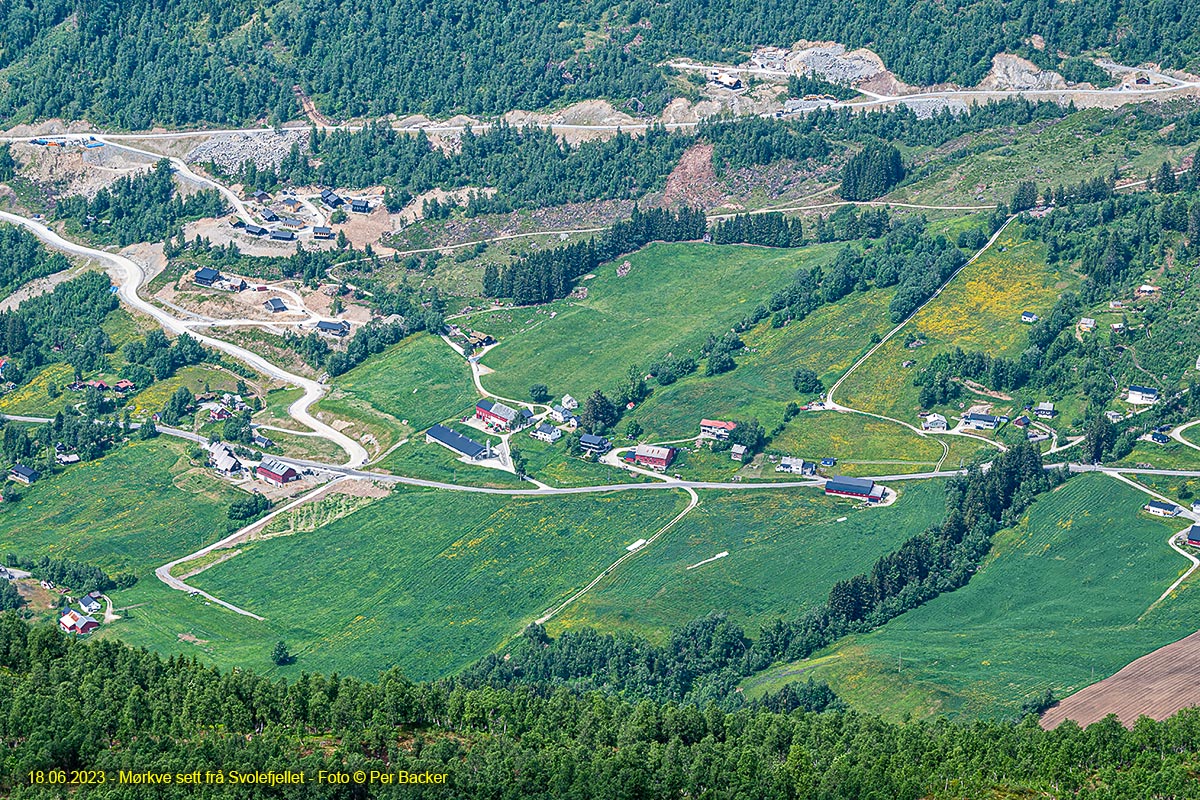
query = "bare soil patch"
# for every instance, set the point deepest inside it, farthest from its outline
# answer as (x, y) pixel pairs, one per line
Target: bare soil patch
(693, 181)
(1156, 685)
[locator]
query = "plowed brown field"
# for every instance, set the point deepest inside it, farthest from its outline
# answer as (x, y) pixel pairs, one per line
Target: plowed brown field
(1156, 685)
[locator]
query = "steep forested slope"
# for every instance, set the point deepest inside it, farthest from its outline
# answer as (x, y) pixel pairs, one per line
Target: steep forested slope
(143, 61)
(102, 706)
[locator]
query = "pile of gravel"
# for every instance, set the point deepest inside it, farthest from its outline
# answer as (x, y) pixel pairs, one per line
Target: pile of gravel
(230, 150)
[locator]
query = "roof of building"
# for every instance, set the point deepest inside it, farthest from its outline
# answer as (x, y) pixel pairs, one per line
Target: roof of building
(717, 423)
(1159, 506)
(326, 325)
(275, 304)
(322, 230)
(592, 439)
(1044, 406)
(207, 274)
(840, 483)
(653, 451)
(455, 440)
(792, 461)
(257, 230)
(974, 417)
(1159, 438)
(25, 472)
(276, 467)
(1194, 533)
(546, 428)
(284, 235)
(498, 409)
(1142, 390)
(738, 449)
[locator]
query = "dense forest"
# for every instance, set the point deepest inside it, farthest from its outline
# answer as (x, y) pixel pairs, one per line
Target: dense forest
(133, 64)
(63, 325)
(23, 259)
(141, 208)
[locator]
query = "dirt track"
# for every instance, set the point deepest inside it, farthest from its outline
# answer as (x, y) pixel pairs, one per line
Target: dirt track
(1156, 685)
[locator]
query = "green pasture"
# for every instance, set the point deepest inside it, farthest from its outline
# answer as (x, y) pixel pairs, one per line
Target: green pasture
(1064, 599)
(429, 581)
(787, 547)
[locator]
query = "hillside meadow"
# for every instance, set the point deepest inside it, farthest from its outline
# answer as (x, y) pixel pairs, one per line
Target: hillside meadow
(674, 296)
(786, 548)
(979, 310)
(1066, 597)
(429, 580)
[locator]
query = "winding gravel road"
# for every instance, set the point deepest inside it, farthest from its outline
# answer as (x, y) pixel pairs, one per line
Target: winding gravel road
(130, 276)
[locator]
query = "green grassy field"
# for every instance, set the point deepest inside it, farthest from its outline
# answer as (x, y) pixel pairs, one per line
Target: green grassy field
(827, 341)
(196, 378)
(407, 388)
(1174, 455)
(674, 296)
(427, 580)
(979, 310)
(786, 549)
(134, 509)
(1065, 592)
(550, 464)
(862, 445)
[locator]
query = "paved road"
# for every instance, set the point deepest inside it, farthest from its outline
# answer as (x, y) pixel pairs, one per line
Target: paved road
(129, 276)
(164, 572)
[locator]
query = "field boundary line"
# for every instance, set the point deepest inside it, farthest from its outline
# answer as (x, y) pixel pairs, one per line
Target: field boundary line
(694, 501)
(164, 572)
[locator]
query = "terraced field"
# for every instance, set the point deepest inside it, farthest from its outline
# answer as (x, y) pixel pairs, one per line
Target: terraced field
(786, 548)
(428, 581)
(1063, 600)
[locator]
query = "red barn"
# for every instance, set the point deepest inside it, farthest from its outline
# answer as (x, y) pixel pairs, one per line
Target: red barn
(658, 458)
(74, 622)
(277, 473)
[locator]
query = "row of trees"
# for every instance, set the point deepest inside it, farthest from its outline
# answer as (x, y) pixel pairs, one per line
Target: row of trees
(81, 578)
(105, 706)
(551, 274)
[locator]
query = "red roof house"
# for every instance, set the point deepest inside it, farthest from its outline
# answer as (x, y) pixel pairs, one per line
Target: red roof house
(646, 455)
(74, 622)
(277, 473)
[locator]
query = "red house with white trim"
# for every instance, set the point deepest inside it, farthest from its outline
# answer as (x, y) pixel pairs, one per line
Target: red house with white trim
(74, 622)
(276, 473)
(659, 458)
